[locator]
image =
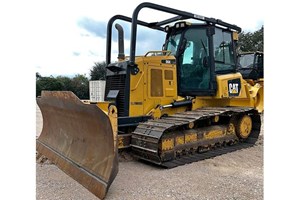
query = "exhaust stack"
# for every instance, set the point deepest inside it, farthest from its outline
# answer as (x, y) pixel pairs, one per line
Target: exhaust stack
(121, 55)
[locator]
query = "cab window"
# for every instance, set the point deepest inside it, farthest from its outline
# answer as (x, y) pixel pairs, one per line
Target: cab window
(223, 51)
(194, 72)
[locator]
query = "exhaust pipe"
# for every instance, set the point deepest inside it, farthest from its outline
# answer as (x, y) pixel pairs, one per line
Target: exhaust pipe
(121, 55)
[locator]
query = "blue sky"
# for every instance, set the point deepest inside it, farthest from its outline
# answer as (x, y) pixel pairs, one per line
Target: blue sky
(67, 37)
(73, 35)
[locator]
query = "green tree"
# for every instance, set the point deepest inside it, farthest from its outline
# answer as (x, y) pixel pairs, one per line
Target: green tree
(98, 72)
(258, 38)
(66, 83)
(80, 86)
(47, 83)
(252, 41)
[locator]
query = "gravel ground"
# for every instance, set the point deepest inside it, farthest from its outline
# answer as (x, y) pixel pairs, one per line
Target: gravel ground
(237, 175)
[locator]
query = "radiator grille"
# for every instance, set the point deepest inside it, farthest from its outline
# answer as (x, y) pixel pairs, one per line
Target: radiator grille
(117, 82)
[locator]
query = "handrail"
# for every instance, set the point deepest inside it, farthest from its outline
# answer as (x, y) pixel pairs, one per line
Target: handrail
(154, 25)
(180, 13)
(167, 52)
(138, 82)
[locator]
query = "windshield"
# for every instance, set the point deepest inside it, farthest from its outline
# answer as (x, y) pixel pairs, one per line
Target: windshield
(172, 43)
(246, 60)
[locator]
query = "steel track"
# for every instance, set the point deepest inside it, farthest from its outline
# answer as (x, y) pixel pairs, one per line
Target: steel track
(147, 136)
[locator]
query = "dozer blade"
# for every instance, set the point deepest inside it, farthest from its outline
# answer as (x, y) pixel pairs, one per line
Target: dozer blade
(80, 139)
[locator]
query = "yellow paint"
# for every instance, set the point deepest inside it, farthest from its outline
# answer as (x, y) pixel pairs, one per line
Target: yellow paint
(245, 126)
(216, 118)
(230, 129)
(140, 84)
(120, 142)
(167, 144)
(179, 140)
(235, 35)
(149, 102)
(258, 95)
(170, 92)
(249, 96)
(190, 137)
(103, 106)
(191, 125)
(113, 117)
(213, 134)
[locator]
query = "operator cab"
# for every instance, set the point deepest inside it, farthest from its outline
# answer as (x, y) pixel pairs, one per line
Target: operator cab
(251, 65)
(201, 52)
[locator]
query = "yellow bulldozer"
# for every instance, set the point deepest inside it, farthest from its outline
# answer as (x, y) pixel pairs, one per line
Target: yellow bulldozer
(251, 66)
(184, 103)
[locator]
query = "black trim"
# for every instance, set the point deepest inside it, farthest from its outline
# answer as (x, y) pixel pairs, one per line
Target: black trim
(132, 121)
(235, 54)
(211, 61)
(199, 93)
(177, 104)
(178, 62)
(127, 92)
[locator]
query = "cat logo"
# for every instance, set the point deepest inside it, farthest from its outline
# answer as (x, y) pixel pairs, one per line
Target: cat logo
(234, 87)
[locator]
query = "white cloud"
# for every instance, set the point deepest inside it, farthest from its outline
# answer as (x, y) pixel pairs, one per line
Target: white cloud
(61, 46)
